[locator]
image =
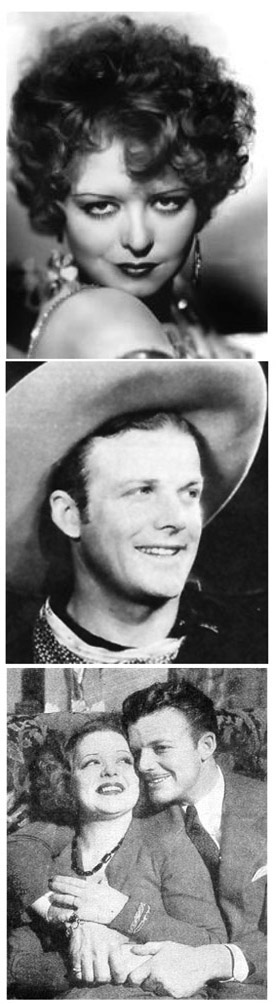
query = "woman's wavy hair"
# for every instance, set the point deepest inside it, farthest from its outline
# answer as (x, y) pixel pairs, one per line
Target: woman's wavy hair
(170, 102)
(51, 775)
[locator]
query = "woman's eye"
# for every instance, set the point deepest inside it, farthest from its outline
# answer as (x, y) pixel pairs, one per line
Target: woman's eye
(99, 209)
(169, 205)
(127, 759)
(91, 763)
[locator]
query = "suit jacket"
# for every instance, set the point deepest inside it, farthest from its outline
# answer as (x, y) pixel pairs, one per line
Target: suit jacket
(169, 888)
(242, 897)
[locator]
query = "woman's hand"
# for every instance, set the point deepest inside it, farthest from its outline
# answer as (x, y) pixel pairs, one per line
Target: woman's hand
(93, 899)
(92, 949)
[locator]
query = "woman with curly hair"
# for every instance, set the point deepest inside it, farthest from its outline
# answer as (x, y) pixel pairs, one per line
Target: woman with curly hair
(125, 137)
(114, 877)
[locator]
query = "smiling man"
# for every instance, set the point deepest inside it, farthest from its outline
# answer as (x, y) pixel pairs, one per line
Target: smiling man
(134, 543)
(173, 733)
(130, 461)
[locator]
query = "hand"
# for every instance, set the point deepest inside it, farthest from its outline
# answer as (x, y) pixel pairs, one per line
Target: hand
(67, 893)
(180, 970)
(91, 948)
(123, 962)
(57, 915)
(93, 899)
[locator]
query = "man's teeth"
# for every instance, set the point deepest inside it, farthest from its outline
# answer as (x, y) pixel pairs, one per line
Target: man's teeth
(160, 551)
(158, 780)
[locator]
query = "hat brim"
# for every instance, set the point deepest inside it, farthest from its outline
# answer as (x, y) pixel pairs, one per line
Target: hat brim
(60, 402)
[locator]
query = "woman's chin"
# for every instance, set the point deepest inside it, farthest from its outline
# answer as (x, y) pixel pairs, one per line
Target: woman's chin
(108, 806)
(145, 286)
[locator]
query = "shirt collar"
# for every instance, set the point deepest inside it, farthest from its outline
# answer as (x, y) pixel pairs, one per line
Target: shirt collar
(210, 806)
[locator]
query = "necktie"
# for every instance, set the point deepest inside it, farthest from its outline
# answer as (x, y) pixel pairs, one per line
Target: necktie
(203, 842)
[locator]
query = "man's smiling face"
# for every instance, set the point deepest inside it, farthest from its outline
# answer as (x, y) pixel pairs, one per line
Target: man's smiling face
(167, 756)
(144, 513)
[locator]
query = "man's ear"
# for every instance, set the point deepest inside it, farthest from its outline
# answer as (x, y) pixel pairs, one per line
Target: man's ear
(65, 514)
(207, 745)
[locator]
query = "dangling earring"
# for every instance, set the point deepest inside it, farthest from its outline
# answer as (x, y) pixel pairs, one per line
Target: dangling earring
(197, 262)
(61, 271)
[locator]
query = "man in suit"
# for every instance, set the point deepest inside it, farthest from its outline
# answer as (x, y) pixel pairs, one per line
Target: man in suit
(172, 731)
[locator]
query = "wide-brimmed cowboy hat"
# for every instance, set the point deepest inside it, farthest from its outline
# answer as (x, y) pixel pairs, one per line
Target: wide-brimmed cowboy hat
(60, 402)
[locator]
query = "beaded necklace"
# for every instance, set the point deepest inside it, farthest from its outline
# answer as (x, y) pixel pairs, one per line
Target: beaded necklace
(104, 861)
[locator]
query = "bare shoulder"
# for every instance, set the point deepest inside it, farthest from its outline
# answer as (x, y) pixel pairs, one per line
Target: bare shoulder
(97, 323)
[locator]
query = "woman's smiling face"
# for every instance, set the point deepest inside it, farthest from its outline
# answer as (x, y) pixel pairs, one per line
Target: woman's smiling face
(127, 234)
(103, 778)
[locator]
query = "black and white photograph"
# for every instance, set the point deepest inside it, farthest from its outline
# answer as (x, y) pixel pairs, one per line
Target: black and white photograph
(115, 471)
(138, 388)
(136, 849)
(136, 163)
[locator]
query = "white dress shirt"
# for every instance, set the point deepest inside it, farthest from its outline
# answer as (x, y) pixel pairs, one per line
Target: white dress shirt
(209, 809)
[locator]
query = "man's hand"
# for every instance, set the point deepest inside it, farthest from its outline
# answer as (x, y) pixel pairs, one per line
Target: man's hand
(179, 970)
(91, 948)
(92, 899)
(99, 955)
(123, 962)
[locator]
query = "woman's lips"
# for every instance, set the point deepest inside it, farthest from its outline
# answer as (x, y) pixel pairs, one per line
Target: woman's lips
(136, 271)
(110, 789)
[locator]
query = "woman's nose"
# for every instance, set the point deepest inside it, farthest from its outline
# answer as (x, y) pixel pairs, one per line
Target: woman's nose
(108, 768)
(137, 234)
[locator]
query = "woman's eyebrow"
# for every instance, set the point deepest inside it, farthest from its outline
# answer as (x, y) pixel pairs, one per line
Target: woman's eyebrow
(156, 188)
(165, 189)
(100, 753)
(93, 195)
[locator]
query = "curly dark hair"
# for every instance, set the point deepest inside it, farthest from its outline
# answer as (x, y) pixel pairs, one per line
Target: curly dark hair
(51, 776)
(169, 101)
